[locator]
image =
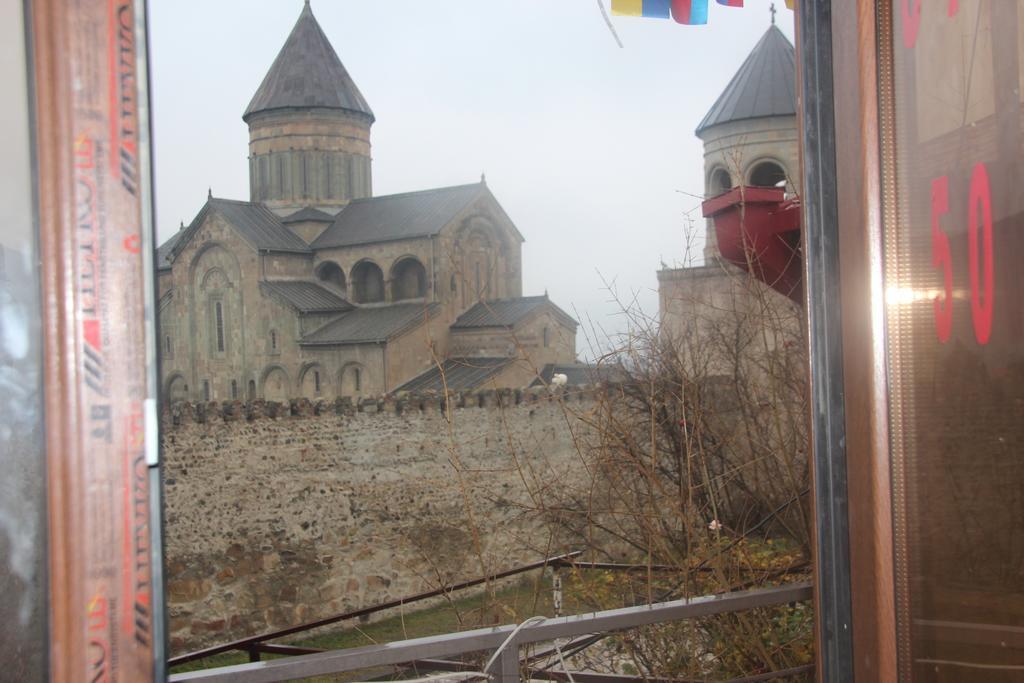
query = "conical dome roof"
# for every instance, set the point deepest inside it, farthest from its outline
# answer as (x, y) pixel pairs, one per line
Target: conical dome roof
(765, 84)
(307, 73)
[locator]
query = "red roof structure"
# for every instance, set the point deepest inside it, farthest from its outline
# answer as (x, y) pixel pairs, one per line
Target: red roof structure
(758, 229)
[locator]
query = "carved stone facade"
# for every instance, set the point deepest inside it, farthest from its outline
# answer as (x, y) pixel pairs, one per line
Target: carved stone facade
(315, 288)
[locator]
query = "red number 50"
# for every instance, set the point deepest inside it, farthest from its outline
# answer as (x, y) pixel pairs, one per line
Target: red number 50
(981, 309)
(983, 282)
(942, 258)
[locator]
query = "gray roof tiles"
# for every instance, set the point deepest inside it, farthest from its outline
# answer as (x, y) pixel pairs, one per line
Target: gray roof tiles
(397, 216)
(457, 374)
(765, 84)
(257, 225)
(370, 324)
(163, 252)
(307, 73)
(579, 373)
(506, 312)
(308, 214)
(362, 221)
(307, 297)
(260, 226)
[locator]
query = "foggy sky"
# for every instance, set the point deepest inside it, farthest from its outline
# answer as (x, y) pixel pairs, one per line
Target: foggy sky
(588, 147)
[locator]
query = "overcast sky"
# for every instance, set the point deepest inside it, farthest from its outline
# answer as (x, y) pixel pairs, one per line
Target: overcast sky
(586, 146)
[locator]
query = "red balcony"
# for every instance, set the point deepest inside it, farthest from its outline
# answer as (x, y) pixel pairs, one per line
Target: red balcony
(758, 229)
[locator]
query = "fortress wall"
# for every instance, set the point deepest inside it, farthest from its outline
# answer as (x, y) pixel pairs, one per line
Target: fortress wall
(278, 514)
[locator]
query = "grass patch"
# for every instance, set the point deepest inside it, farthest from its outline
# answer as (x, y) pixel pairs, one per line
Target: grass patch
(508, 605)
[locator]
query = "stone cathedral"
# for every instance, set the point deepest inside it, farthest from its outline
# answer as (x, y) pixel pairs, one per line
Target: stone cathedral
(316, 288)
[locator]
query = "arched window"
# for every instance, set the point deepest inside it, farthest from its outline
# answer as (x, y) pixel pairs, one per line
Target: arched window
(218, 321)
(721, 182)
(353, 380)
(767, 174)
(367, 283)
(331, 273)
(177, 390)
(234, 389)
(477, 257)
(275, 384)
(252, 390)
(313, 383)
(408, 280)
(272, 346)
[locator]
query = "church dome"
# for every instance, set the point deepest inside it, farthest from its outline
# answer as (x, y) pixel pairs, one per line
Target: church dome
(764, 86)
(307, 74)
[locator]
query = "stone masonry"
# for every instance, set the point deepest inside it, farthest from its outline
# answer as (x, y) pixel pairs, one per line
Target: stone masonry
(280, 513)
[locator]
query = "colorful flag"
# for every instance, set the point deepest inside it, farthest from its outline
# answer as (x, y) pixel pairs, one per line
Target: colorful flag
(690, 11)
(731, 3)
(656, 9)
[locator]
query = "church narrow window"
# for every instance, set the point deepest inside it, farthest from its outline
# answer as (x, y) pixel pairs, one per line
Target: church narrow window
(273, 341)
(206, 390)
(280, 174)
(167, 344)
(305, 174)
(327, 174)
(316, 381)
(218, 311)
(358, 379)
(234, 389)
(264, 175)
(252, 390)
(479, 290)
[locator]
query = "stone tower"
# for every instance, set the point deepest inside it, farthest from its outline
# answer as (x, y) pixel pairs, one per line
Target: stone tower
(309, 128)
(750, 133)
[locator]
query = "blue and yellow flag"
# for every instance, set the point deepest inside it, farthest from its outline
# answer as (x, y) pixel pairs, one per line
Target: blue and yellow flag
(656, 9)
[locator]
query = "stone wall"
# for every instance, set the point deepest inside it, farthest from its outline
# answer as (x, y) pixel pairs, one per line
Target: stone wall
(282, 513)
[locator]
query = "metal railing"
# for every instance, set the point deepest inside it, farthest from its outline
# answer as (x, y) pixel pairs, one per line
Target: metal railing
(503, 641)
(254, 645)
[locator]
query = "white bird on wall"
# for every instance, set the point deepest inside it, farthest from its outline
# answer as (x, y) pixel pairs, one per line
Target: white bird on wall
(559, 379)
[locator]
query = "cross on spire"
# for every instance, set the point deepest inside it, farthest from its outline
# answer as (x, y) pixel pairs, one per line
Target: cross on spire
(770, 9)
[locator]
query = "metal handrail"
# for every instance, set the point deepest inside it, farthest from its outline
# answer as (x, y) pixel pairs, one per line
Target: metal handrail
(507, 667)
(249, 644)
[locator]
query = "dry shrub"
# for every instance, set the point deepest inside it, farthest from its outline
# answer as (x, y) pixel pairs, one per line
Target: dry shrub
(696, 450)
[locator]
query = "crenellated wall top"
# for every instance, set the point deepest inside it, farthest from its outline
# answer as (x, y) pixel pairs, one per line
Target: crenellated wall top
(187, 412)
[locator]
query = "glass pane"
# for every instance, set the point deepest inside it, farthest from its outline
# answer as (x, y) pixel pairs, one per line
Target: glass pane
(22, 474)
(954, 249)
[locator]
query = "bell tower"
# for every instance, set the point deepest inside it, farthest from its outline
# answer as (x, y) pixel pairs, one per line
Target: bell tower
(750, 134)
(309, 128)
